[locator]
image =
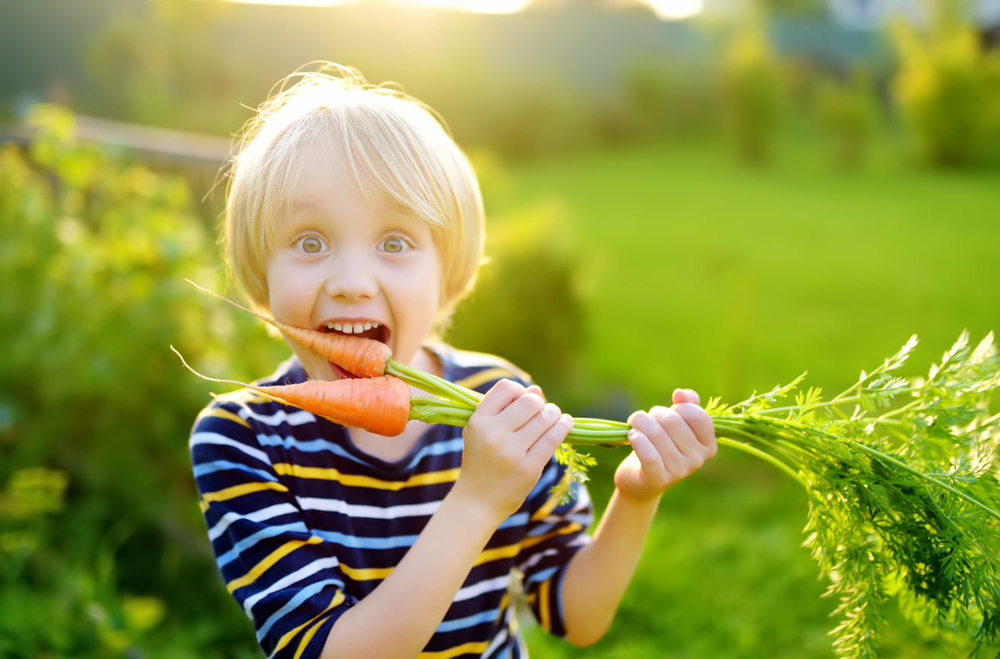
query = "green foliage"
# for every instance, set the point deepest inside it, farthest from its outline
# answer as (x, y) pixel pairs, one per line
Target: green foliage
(749, 82)
(847, 111)
(663, 99)
(529, 302)
(948, 87)
(94, 255)
(904, 499)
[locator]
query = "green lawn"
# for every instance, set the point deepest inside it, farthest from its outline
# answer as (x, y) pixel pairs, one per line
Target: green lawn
(708, 275)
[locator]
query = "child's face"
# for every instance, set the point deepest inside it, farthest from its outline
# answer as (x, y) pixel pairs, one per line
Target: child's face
(342, 259)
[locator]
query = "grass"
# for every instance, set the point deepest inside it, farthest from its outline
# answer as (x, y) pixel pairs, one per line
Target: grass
(709, 275)
(705, 274)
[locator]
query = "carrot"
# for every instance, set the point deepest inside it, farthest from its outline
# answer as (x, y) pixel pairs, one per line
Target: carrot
(356, 355)
(377, 404)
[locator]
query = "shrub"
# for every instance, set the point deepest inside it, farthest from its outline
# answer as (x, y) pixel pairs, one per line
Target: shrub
(847, 111)
(93, 259)
(749, 80)
(528, 305)
(948, 88)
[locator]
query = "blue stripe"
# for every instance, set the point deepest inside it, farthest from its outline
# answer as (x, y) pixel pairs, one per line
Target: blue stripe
(520, 519)
(546, 482)
(223, 465)
(264, 533)
(541, 529)
(323, 445)
(471, 621)
(293, 603)
(540, 577)
(357, 542)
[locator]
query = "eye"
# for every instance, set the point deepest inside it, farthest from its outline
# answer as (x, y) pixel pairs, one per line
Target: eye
(310, 244)
(395, 245)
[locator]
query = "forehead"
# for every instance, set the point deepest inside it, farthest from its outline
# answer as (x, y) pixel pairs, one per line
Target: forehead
(324, 178)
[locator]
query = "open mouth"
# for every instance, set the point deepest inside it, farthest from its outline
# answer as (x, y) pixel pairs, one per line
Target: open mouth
(376, 332)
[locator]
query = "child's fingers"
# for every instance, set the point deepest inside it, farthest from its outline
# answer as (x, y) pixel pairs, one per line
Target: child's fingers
(702, 424)
(535, 389)
(686, 396)
(654, 470)
(499, 397)
(679, 430)
(537, 425)
(523, 410)
(661, 441)
(542, 450)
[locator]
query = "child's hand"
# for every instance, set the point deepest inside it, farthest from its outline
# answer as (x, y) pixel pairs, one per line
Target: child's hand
(510, 438)
(668, 445)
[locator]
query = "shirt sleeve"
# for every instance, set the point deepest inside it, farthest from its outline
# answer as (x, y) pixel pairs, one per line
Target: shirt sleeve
(556, 531)
(288, 581)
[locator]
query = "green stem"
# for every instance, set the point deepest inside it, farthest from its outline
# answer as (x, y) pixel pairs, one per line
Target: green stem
(747, 448)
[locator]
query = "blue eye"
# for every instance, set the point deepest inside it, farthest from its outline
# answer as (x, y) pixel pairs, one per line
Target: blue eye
(394, 245)
(311, 244)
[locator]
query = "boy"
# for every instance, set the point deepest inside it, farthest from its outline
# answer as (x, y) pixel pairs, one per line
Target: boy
(352, 210)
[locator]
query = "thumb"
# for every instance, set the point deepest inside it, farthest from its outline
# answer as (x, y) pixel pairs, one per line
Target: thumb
(535, 389)
(686, 396)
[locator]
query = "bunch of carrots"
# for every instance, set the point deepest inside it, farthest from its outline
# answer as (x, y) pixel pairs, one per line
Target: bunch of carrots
(904, 499)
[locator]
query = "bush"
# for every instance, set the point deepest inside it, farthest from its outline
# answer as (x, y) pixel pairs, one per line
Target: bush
(528, 305)
(94, 257)
(948, 88)
(847, 111)
(749, 79)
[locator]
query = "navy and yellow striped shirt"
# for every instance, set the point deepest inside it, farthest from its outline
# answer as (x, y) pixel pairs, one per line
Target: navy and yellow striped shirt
(304, 524)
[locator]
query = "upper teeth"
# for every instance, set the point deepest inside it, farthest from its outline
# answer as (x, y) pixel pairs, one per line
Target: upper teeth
(356, 328)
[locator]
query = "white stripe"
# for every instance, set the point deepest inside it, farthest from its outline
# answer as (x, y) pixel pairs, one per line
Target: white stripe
(296, 418)
(534, 560)
(256, 516)
(369, 512)
(298, 575)
(498, 640)
(215, 438)
(499, 583)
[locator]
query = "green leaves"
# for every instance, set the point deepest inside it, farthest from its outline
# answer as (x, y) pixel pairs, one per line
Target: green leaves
(903, 496)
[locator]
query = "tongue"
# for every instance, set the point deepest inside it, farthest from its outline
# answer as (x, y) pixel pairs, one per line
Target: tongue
(341, 373)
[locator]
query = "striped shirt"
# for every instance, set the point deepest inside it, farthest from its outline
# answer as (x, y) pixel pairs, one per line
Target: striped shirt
(304, 524)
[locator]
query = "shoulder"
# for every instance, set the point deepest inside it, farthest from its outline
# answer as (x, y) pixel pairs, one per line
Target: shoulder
(242, 414)
(478, 370)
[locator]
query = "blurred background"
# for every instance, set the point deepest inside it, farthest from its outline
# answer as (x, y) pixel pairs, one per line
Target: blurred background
(715, 194)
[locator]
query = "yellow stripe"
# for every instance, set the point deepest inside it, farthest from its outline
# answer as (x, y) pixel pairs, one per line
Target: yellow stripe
(498, 553)
(240, 490)
(319, 473)
(550, 505)
(365, 574)
(242, 396)
(223, 414)
(482, 377)
(566, 530)
(338, 599)
(543, 606)
(266, 564)
(471, 648)
(304, 643)
(204, 506)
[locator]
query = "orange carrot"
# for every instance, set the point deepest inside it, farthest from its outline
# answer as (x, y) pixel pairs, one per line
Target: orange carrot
(356, 355)
(378, 404)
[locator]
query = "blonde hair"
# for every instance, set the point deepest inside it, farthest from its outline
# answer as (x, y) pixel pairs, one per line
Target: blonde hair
(398, 142)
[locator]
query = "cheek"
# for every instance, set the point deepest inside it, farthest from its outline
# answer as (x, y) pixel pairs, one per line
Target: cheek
(289, 299)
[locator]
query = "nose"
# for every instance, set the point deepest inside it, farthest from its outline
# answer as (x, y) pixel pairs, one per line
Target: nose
(351, 277)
